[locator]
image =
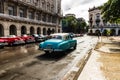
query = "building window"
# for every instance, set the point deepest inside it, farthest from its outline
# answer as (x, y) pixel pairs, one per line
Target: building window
(44, 17)
(11, 10)
(38, 17)
(48, 6)
(52, 8)
(1, 7)
(49, 18)
(36, 2)
(43, 4)
(21, 13)
(31, 15)
(98, 16)
(54, 19)
(30, 1)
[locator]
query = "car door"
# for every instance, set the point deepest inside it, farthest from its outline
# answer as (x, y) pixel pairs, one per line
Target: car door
(71, 41)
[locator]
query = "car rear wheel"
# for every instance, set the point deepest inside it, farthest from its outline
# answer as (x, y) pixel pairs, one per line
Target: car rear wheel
(47, 52)
(10, 44)
(75, 46)
(1, 46)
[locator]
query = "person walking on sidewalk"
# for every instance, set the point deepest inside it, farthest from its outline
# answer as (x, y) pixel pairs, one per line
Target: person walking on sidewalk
(108, 33)
(98, 34)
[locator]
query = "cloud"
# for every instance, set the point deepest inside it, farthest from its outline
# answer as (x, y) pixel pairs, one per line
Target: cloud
(80, 7)
(87, 1)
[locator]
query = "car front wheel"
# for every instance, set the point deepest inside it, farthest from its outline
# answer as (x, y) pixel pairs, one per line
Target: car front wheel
(47, 52)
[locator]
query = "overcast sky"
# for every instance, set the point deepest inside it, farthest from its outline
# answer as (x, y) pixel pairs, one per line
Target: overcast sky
(80, 7)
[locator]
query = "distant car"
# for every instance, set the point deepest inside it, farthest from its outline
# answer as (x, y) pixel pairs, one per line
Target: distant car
(38, 38)
(43, 37)
(28, 38)
(72, 35)
(13, 40)
(60, 42)
(2, 43)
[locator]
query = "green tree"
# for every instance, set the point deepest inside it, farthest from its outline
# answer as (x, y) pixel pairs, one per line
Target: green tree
(81, 25)
(111, 11)
(71, 24)
(108, 33)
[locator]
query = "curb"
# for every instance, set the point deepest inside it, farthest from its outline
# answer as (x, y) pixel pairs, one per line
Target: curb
(75, 71)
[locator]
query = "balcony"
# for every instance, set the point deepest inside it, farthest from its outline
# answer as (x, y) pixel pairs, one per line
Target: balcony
(21, 19)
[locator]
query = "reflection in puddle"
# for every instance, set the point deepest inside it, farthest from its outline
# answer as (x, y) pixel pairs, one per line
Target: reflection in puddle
(15, 52)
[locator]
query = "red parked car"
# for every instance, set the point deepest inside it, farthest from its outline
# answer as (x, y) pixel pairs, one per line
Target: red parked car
(27, 38)
(13, 40)
(2, 43)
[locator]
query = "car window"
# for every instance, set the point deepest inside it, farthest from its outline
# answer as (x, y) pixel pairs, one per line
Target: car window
(57, 37)
(35, 35)
(65, 38)
(25, 35)
(10, 36)
(69, 37)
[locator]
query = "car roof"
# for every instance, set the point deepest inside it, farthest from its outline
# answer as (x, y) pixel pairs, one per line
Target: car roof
(62, 34)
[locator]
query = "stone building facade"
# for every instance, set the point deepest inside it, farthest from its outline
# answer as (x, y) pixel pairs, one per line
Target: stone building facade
(19, 17)
(97, 24)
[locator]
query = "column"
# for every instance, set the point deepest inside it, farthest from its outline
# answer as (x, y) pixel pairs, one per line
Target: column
(5, 8)
(26, 12)
(41, 30)
(117, 29)
(17, 13)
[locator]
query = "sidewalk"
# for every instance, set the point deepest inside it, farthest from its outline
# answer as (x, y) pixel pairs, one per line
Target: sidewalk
(104, 62)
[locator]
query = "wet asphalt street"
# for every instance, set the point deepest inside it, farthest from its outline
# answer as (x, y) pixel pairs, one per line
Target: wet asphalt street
(29, 63)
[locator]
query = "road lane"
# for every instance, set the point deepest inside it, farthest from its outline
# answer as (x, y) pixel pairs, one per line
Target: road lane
(52, 66)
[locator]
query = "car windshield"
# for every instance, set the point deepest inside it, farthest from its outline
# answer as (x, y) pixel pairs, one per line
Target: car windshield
(11, 36)
(57, 37)
(25, 35)
(36, 35)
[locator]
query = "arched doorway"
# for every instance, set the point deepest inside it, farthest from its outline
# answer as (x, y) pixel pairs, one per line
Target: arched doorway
(97, 32)
(53, 31)
(105, 32)
(91, 32)
(1, 30)
(119, 33)
(58, 30)
(113, 32)
(13, 30)
(32, 30)
(44, 31)
(38, 30)
(23, 30)
(48, 31)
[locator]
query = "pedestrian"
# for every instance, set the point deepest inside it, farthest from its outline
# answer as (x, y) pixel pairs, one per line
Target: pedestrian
(108, 33)
(98, 34)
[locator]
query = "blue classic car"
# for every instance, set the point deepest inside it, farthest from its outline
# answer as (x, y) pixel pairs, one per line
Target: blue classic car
(59, 42)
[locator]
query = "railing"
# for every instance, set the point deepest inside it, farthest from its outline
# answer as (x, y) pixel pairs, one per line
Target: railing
(14, 18)
(33, 5)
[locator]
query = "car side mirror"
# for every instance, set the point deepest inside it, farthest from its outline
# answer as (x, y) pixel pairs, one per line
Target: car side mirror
(71, 37)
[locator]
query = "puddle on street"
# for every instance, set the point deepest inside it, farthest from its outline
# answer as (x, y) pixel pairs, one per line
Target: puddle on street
(16, 52)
